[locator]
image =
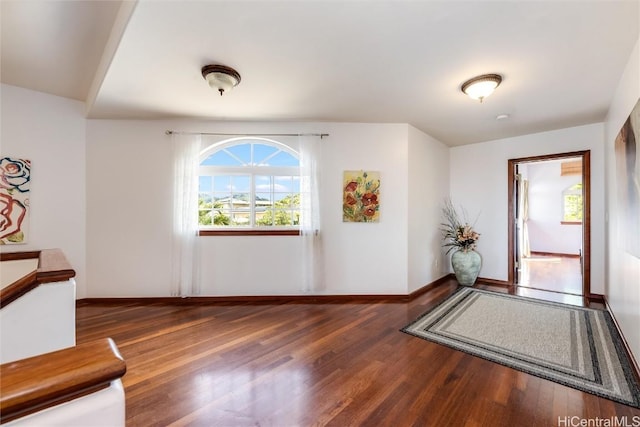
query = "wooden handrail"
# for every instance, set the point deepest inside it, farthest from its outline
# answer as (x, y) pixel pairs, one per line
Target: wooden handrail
(13, 256)
(52, 267)
(32, 384)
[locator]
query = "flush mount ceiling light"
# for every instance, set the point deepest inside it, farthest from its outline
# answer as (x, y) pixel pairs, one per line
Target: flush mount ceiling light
(220, 77)
(482, 86)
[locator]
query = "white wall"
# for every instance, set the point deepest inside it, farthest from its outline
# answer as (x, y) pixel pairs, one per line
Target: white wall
(129, 192)
(623, 269)
(428, 187)
(546, 233)
(129, 215)
(478, 175)
(366, 258)
(50, 131)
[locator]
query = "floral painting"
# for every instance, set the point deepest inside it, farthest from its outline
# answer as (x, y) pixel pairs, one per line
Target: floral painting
(361, 196)
(627, 149)
(15, 180)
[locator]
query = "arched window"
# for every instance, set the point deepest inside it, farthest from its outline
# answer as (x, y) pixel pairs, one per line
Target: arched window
(572, 204)
(249, 183)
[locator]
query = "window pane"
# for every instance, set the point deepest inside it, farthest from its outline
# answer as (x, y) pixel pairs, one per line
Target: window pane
(220, 158)
(240, 218)
(241, 184)
(241, 152)
(261, 153)
(264, 217)
(283, 159)
(286, 201)
(205, 184)
(263, 183)
(222, 201)
(264, 199)
(221, 217)
(240, 202)
(572, 207)
(282, 217)
(222, 183)
(205, 200)
(204, 217)
(283, 184)
(295, 184)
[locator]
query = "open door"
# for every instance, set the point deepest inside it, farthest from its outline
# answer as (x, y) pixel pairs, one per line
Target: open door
(521, 212)
(518, 246)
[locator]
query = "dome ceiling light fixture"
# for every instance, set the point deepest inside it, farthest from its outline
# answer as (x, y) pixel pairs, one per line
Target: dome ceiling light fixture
(481, 86)
(221, 77)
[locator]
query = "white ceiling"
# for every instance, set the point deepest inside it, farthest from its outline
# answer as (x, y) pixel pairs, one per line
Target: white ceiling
(343, 61)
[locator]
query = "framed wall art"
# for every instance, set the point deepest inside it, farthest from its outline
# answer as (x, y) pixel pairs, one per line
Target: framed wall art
(627, 153)
(361, 196)
(15, 186)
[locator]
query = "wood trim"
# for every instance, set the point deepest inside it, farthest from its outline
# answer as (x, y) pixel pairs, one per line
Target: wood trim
(252, 232)
(546, 157)
(511, 219)
(494, 282)
(555, 254)
(245, 299)
(14, 256)
(597, 298)
(570, 222)
(586, 220)
(18, 288)
(52, 267)
(32, 384)
(268, 299)
(430, 286)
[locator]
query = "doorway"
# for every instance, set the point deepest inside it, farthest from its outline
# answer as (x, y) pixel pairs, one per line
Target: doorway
(538, 259)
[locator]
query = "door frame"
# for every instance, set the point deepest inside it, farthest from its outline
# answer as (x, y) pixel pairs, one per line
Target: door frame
(586, 214)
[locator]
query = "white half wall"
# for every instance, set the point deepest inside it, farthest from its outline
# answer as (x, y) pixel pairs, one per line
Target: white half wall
(623, 269)
(50, 131)
(478, 176)
(41, 321)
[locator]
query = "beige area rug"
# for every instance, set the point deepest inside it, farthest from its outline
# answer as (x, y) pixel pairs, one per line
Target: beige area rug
(574, 346)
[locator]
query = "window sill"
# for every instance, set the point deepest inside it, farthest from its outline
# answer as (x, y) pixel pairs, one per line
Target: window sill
(571, 222)
(252, 232)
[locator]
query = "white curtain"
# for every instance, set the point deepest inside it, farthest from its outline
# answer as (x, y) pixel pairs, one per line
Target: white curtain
(310, 229)
(186, 161)
(525, 248)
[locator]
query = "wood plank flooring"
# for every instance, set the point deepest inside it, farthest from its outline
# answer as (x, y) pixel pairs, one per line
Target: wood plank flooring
(552, 273)
(325, 364)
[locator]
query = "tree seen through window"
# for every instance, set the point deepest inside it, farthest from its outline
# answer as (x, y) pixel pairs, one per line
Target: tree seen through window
(572, 204)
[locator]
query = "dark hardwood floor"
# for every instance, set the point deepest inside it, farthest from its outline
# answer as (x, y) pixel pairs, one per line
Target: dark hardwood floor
(304, 364)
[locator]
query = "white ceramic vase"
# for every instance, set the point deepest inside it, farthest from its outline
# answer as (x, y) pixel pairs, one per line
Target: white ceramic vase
(466, 266)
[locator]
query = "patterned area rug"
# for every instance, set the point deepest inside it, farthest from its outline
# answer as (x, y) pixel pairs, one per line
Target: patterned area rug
(575, 346)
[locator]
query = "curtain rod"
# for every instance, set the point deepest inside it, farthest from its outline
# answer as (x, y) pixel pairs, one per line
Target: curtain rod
(172, 132)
